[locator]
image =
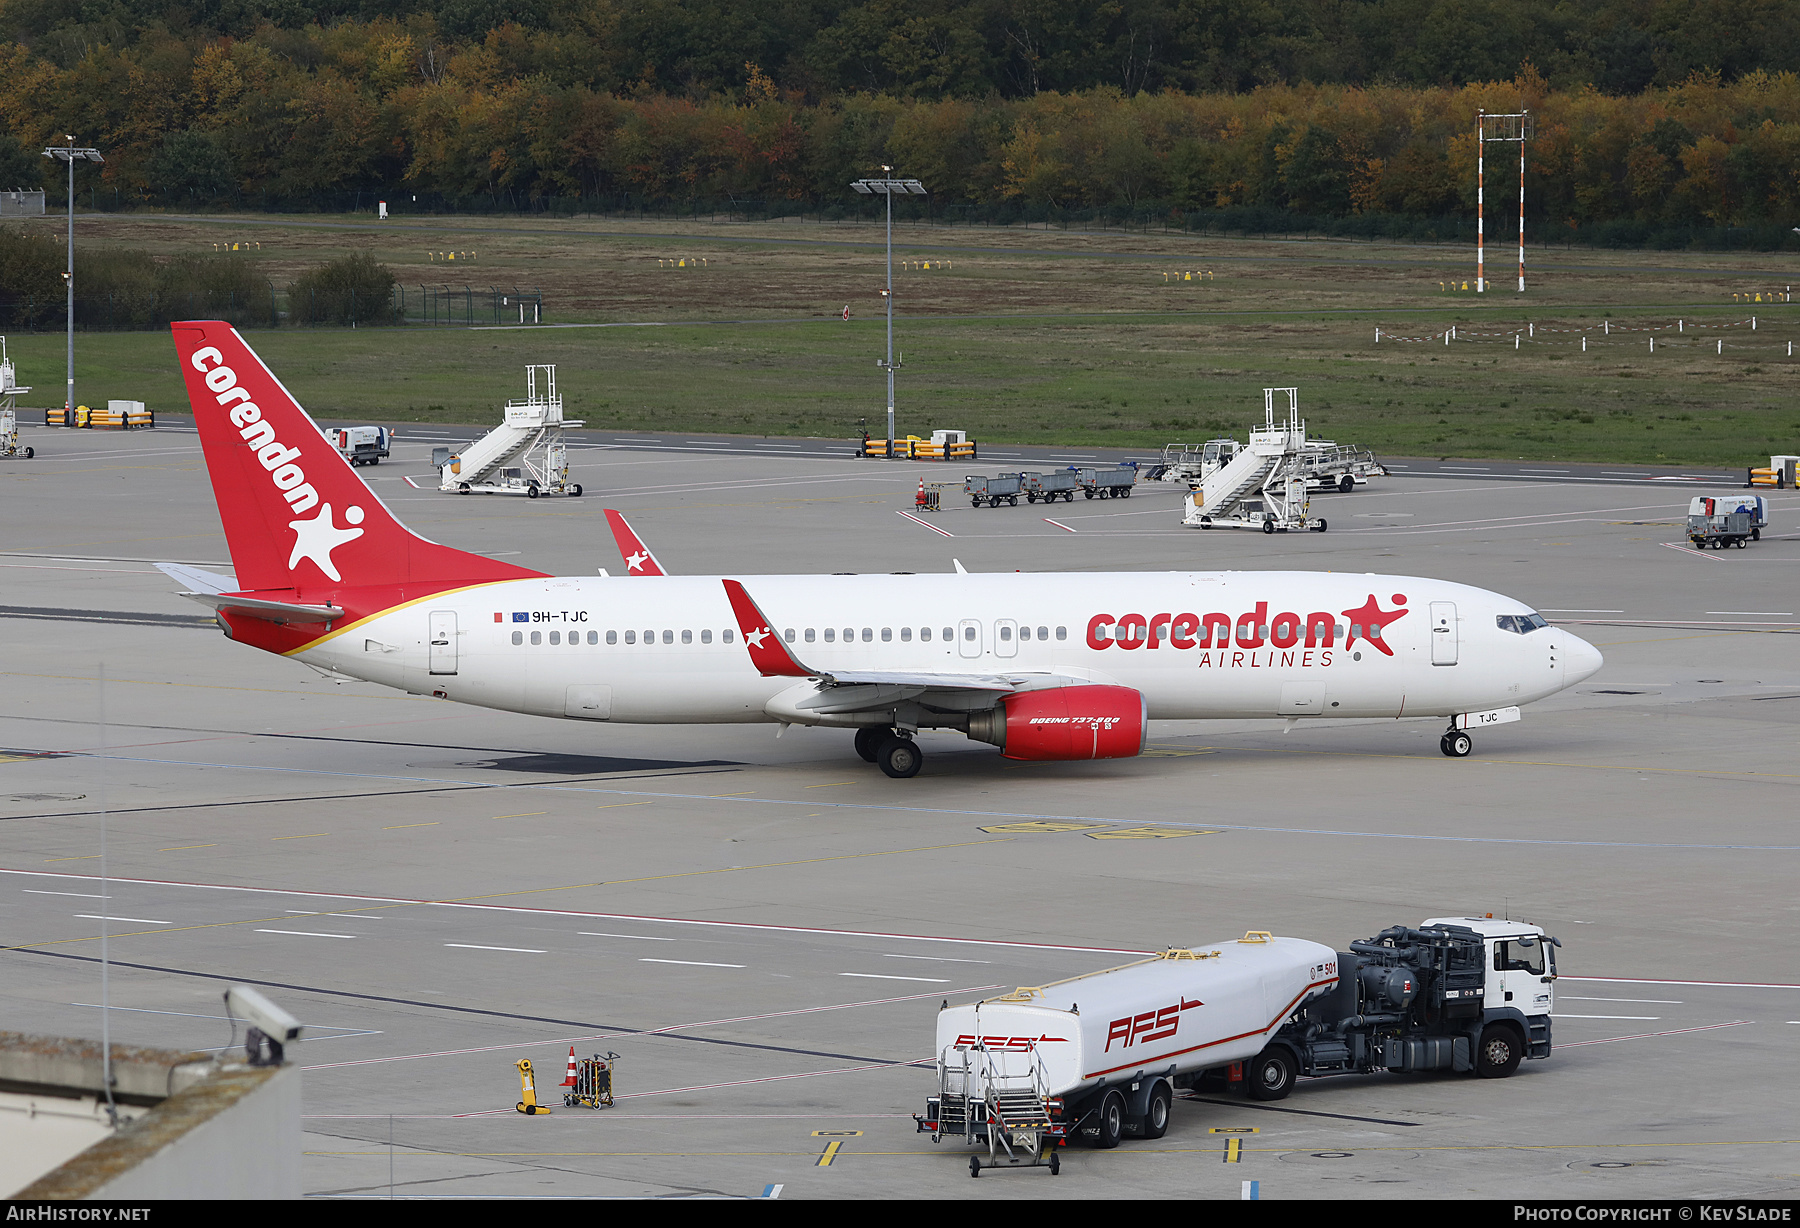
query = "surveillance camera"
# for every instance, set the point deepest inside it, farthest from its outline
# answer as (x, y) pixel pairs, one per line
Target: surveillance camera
(269, 1023)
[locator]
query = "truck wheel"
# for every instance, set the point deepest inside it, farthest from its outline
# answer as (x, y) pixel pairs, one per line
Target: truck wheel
(1055, 1164)
(1500, 1051)
(899, 757)
(1271, 1076)
(1268, 526)
(1755, 534)
(575, 491)
(1346, 484)
(1112, 1121)
(868, 740)
(974, 1166)
(1088, 493)
(1156, 1115)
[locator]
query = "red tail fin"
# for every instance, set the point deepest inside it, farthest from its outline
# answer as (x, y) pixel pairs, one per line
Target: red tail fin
(296, 515)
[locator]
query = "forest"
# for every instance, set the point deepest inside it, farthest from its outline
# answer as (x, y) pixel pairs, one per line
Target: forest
(1654, 122)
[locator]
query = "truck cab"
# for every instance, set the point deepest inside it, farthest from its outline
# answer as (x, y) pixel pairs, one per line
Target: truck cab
(1520, 963)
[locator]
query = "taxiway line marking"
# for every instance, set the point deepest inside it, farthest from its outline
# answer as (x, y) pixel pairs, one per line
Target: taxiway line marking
(1619, 980)
(926, 523)
(639, 937)
(1635, 1018)
(179, 847)
(530, 814)
(85, 895)
(398, 826)
(1059, 524)
(470, 946)
(1705, 1027)
(304, 934)
(89, 916)
(878, 976)
(690, 963)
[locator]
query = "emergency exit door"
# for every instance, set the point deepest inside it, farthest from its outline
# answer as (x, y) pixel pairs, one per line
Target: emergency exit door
(1443, 633)
(442, 644)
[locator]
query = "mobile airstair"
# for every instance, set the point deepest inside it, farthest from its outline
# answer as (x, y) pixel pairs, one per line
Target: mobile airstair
(1262, 486)
(997, 1098)
(9, 415)
(524, 455)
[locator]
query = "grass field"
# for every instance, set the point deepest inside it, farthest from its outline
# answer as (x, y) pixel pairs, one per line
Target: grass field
(1029, 335)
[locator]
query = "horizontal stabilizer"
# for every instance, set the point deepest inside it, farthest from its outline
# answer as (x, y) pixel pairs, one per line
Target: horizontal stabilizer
(197, 579)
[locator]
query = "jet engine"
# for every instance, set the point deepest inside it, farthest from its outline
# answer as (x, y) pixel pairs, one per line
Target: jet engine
(1071, 722)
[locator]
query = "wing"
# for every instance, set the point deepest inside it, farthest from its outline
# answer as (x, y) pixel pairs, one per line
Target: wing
(638, 559)
(857, 690)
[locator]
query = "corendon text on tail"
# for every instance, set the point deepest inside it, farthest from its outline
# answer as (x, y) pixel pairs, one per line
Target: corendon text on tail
(1043, 667)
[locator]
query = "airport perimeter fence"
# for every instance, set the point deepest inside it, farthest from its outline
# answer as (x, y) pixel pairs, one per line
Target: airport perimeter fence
(273, 307)
(1680, 335)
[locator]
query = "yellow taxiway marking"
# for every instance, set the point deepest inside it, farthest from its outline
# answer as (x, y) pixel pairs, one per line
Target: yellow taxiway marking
(745, 793)
(398, 826)
(619, 805)
(1235, 1130)
(529, 814)
(830, 1153)
(89, 857)
(179, 847)
(1234, 1150)
(1033, 826)
(309, 836)
(1148, 833)
(833, 785)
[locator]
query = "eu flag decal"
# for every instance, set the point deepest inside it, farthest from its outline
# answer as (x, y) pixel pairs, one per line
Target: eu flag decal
(521, 618)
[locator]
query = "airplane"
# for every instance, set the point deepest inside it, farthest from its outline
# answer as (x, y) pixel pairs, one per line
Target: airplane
(1045, 667)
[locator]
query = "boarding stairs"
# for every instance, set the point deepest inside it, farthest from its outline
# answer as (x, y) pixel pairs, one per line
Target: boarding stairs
(525, 453)
(996, 1097)
(1264, 485)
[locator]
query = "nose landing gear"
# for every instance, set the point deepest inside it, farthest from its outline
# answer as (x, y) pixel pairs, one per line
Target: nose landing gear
(1456, 744)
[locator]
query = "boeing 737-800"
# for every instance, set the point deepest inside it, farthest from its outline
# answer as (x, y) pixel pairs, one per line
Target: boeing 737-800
(1061, 666)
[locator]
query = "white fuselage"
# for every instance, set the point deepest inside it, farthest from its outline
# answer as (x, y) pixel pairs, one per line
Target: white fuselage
(667, 649)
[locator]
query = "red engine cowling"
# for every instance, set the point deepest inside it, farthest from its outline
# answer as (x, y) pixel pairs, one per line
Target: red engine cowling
(1071, 722)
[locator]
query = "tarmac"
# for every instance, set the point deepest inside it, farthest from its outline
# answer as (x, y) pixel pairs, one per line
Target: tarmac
(763, 928)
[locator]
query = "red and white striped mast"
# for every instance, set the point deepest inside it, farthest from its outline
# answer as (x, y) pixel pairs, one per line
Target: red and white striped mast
(1514, 127)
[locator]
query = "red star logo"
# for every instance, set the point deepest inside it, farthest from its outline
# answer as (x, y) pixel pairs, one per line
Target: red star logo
(1370, 614)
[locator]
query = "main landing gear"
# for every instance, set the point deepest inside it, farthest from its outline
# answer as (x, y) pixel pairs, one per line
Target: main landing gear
(896, 754)
(1456, 744)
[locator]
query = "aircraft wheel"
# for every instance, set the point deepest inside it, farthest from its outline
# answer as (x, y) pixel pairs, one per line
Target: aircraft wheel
(1456, 744)
(1271, 1076)
(868, 740)
(1499, 1053)
(575, 491)
(1346, 484)
(899, 757)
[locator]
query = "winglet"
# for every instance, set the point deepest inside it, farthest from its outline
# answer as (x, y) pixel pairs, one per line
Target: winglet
(770, 656)
(638, 559)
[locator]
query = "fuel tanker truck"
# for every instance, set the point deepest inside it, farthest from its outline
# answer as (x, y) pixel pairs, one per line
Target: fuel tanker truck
(1099, 1057)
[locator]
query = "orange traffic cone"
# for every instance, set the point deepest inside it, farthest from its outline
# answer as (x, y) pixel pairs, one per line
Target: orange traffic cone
(569, 1079)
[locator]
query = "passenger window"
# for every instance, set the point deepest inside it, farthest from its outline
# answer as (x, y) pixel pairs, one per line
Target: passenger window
(1356, 630)
(668, 637)
(809, 635)
(968, 633)
(906, 635)
(949, 633)
(849, 634)
(1024, 633)
(687, 637)
(612, 637)
(593, 637)
(1062, 633)
(518, 637)
(556, 637)
(726, 635)
(537, 637)
(631, 637)
(1005, 633)
(1043, 633)
(868, 634)
(925, 634)
(1338, 631)
(788, 635)
(887, 635)
(706, 635)
(649, 637)
(831, 635)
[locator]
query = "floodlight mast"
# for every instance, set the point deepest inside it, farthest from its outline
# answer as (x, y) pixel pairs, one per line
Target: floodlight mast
(889, 188)
(71, 154)
(1508, 128)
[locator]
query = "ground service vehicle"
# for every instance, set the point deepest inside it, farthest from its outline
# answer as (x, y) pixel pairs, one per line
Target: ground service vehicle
(1721, 524)
(1058, 483)
(362, 445)
(1106, 482)
(1002, 486)
(1099, 1057)
(1043, 666)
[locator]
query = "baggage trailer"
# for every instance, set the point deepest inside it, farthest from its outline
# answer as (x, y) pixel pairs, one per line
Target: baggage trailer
(1720, 531)
(992, 490)
(1057, 484)
(1099, 1057)
(1106, 482)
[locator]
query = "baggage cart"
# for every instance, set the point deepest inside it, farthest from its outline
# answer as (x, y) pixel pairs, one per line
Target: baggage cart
(1002, 486)
(1108, 482)
(1721, 531)
(1058, 483)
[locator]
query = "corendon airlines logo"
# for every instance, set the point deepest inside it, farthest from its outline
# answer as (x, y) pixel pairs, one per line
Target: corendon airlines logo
(1305, 640)
(314, 538)
(1012, 1044)
(1150, 1025)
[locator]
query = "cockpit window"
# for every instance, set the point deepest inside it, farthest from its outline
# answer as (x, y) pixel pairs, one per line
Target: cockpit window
(1520, 624)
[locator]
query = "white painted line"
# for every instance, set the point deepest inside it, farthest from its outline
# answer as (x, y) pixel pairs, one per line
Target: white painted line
(1689, 551)
(690, 963)
(1549, 610)
(1636, 1018)
(1621, 980)
(1705, 1027)
(1465, 468)
(939, 959)
(470, 946)
(640, 937)
(86, 895)
(1543, 471)
(1777, 613)
(88, 916)
(354, 916)
(305, 934)
(1059, 524)
(876, 976)
(1569, 997)
(926, 523)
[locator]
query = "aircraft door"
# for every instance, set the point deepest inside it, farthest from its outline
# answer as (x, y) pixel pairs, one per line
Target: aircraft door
(1443, 633)
(442, 640)
(1006, 643)
(968, 638)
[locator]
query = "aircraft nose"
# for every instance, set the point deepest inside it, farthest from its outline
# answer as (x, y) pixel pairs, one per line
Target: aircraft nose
(1580, 659)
